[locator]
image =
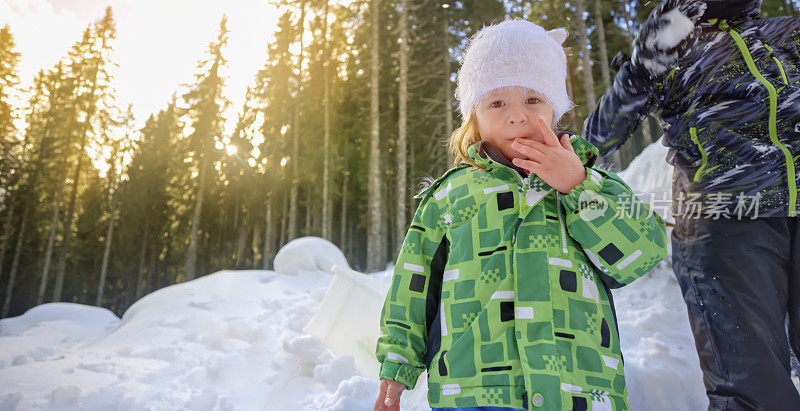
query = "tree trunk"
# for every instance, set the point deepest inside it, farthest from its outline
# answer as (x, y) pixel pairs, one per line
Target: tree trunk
(65, 242)
(12, 275)
(236, 210)
(106, 251)
(376, 233)
(167, 259)
(152, 271)
(84, 135)
(586, 61)
(316, 217)
(284, 219)
(601, 37)
(411, 202)
(255, 244)
(573, 114)
(191, 259)
(296, 131)
(402, 141)
(309, 209)
(142, 257)
(241, 243)
(266, 261)
(343, 215)
(616, 156)
(326, 172)
(6, 236)
(448, 99)
(50, 241)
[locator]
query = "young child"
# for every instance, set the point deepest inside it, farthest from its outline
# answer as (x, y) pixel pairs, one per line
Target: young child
(500, 290)
(726, 85)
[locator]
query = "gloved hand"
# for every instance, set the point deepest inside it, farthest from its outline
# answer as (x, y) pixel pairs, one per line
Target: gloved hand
(666, 34)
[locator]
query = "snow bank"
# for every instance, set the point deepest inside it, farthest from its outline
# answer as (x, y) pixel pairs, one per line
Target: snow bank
(230, 341)
(88, 318)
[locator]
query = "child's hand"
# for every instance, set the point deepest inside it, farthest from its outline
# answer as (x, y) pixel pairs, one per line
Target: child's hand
(553, 161)
(389, 396)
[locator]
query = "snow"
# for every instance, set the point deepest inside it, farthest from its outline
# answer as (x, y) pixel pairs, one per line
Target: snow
(308, 254)
(657, 344)
(671, 34)
(293, 339)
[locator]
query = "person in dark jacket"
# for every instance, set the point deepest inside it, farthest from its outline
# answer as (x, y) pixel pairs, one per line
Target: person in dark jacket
(726, 86)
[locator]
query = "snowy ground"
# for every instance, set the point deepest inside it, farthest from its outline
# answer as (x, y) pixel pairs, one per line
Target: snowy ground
(236, 340)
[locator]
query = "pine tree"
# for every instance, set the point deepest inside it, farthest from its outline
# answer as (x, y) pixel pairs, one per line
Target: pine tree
(376, 232)
(206, 105)
(9, 81)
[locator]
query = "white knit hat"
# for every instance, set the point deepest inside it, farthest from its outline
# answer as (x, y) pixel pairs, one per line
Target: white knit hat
(514, 53)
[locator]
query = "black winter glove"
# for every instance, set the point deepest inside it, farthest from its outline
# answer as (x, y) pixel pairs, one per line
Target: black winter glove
(666, 34)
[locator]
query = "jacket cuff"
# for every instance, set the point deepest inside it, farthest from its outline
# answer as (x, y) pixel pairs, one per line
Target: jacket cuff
(402, 373)
(593, 182)
(638, 80)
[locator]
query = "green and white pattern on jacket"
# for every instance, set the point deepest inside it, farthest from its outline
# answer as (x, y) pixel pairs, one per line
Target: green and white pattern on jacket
(501, 288)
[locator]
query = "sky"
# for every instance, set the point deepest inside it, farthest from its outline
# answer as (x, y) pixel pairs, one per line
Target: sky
(158, 42)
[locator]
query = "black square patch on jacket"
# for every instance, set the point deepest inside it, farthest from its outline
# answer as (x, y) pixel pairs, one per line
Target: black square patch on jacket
(579, 404)
(506, 310)
(568, 281)
(610, 253)
(505, 200)
(417, 283)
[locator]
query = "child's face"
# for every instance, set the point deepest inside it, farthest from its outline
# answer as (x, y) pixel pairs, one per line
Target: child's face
(506, 113)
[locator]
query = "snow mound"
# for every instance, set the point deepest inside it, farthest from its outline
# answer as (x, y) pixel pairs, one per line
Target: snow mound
(232, 340)
(85, 317)
(308, 254)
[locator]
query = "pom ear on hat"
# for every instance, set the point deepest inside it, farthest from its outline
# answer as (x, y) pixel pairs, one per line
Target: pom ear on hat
(559, 35)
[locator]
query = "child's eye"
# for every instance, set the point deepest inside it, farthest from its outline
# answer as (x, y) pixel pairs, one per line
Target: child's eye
(533, 100)
(496, 104)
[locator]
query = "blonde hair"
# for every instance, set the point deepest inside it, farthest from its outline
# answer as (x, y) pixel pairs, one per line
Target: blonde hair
(464, 136)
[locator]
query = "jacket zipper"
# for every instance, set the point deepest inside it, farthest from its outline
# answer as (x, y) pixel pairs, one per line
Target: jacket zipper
(561, 222)
(522, 202)
(693, 134)
(773, 120)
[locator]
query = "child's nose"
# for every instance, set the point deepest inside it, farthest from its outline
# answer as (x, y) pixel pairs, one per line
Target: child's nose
(517, 117)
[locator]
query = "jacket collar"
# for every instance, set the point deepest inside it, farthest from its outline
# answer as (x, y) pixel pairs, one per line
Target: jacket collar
(730, 10)
(487, 156)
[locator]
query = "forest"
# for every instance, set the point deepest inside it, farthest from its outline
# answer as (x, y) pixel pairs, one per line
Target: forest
(347, 116)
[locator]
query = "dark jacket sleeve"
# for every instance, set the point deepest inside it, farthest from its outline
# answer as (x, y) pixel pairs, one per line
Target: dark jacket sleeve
(621, 109)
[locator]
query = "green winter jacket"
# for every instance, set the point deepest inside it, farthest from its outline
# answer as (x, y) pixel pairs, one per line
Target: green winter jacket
(501, 287)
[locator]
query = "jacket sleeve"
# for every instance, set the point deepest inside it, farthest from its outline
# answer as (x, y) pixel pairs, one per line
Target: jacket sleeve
(621, 109)
(413, 298)
(620, 234)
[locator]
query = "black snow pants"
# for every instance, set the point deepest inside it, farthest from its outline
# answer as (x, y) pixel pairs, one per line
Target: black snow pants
(740, 279)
